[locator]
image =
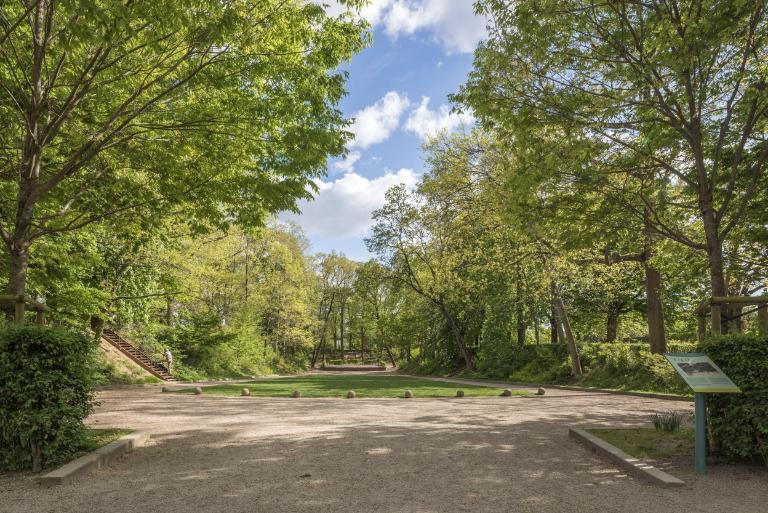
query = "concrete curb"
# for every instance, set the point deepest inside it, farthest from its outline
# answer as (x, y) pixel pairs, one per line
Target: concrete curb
(501, 384)
(649, 395)
(624, 460)
(97, 459)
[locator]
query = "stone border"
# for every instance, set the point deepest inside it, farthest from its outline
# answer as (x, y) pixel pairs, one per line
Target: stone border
(501, 384)
(101, 457)
(624, 460)
(649, 395)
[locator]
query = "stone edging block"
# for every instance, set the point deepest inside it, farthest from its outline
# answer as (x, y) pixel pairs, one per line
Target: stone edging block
(624, 460)
(97, 459)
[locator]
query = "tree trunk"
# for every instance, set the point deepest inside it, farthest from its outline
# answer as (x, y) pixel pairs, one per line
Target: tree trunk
(170, 311)
(657, 338)
(456, 334)
(97, 326)
(521, 327)
(521, 331)
(341, 329)
(553, 329)
(612, 325)
(654, 310)
(714, 255)
(562, 318)
(18, 265)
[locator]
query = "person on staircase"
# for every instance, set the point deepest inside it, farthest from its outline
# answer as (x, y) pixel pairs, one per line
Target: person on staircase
(168, 360)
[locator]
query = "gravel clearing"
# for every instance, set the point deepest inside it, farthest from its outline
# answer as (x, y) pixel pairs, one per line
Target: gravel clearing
(271, 455)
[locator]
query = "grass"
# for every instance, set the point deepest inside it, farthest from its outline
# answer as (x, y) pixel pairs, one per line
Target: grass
(96, 438)
(648, 443)
(363, 385)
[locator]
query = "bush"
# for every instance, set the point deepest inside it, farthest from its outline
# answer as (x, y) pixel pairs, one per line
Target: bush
(46, 390)
(738, 423)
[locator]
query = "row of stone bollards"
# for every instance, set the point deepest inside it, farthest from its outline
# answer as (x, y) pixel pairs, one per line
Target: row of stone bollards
(245, 392)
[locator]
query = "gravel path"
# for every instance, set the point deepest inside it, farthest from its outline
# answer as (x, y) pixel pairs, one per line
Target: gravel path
(231, 454)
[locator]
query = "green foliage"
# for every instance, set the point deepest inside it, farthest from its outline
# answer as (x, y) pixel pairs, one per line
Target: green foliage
(667, 421)
(105, 373)
(46, 390)
(738, 423)
(619, 366)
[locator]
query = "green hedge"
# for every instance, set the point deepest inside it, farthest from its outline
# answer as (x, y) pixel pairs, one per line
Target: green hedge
(738, 423)
(46, 390)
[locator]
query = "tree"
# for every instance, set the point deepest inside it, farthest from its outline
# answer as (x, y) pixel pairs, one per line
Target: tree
(224, 111)
(676, 93)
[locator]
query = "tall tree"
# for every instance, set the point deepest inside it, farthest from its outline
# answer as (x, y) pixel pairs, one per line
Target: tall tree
(223, 110)
(677, 92)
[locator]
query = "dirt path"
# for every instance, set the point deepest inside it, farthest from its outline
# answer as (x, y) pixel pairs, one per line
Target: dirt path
(219, 454)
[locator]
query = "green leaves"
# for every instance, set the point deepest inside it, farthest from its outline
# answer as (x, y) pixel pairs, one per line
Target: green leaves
(222, 111)
(46, 390)
(738, 423)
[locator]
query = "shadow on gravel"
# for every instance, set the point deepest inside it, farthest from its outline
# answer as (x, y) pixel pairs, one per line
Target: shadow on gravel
(479, 455)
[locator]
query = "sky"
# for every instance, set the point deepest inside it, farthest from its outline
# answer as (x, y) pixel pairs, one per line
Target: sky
(397, 96)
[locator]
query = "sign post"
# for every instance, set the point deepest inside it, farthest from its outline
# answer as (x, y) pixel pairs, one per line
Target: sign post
(703, 376)
(700, 454)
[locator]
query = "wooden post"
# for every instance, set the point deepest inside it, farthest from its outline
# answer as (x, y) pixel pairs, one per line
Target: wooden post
(762, 318)
(716, 321)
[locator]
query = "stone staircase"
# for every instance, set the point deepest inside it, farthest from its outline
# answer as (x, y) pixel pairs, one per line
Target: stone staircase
(137, 355)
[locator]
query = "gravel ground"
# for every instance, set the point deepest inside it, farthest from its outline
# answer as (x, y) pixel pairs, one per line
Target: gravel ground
(271, 455)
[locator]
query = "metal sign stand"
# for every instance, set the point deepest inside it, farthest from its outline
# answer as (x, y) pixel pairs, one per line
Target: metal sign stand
(700, 411)
(704, 377)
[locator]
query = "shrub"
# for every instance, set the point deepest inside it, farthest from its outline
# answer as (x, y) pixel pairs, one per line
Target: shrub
(738, 423)
(46, 390)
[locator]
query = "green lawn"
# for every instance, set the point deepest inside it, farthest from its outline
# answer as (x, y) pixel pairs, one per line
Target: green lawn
(96, 438)
(363, 385)
(650, 443)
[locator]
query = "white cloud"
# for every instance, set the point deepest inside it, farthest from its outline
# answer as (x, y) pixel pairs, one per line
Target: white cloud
(452, 23)
(348, 164)
(376, 122)
(343, 207)
(425, 122)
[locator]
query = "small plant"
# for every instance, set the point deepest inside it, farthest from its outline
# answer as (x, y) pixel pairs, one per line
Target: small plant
(667, 421)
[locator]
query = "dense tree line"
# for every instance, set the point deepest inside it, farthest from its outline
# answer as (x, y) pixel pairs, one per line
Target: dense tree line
(615, 179)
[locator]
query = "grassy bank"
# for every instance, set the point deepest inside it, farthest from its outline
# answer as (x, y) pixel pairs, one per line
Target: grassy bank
(616, 366)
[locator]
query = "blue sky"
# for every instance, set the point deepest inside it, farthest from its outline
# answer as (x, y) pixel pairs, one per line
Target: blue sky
(398, 87)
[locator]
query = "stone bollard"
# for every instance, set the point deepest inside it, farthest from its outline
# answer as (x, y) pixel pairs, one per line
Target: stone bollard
(541, 391)
(245, 392)
(351, 394)
(296, 393)
(459, 393)
(408, 394)
(506, 393)
(198, 390)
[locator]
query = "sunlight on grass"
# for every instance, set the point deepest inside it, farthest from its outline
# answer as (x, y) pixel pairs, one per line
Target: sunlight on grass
(364, 386)
(649, 443)
(96, 438)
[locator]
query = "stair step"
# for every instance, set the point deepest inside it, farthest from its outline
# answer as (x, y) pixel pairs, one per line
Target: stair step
(138, 355)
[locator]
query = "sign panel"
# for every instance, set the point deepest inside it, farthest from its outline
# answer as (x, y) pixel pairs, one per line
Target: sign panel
(701, 373)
